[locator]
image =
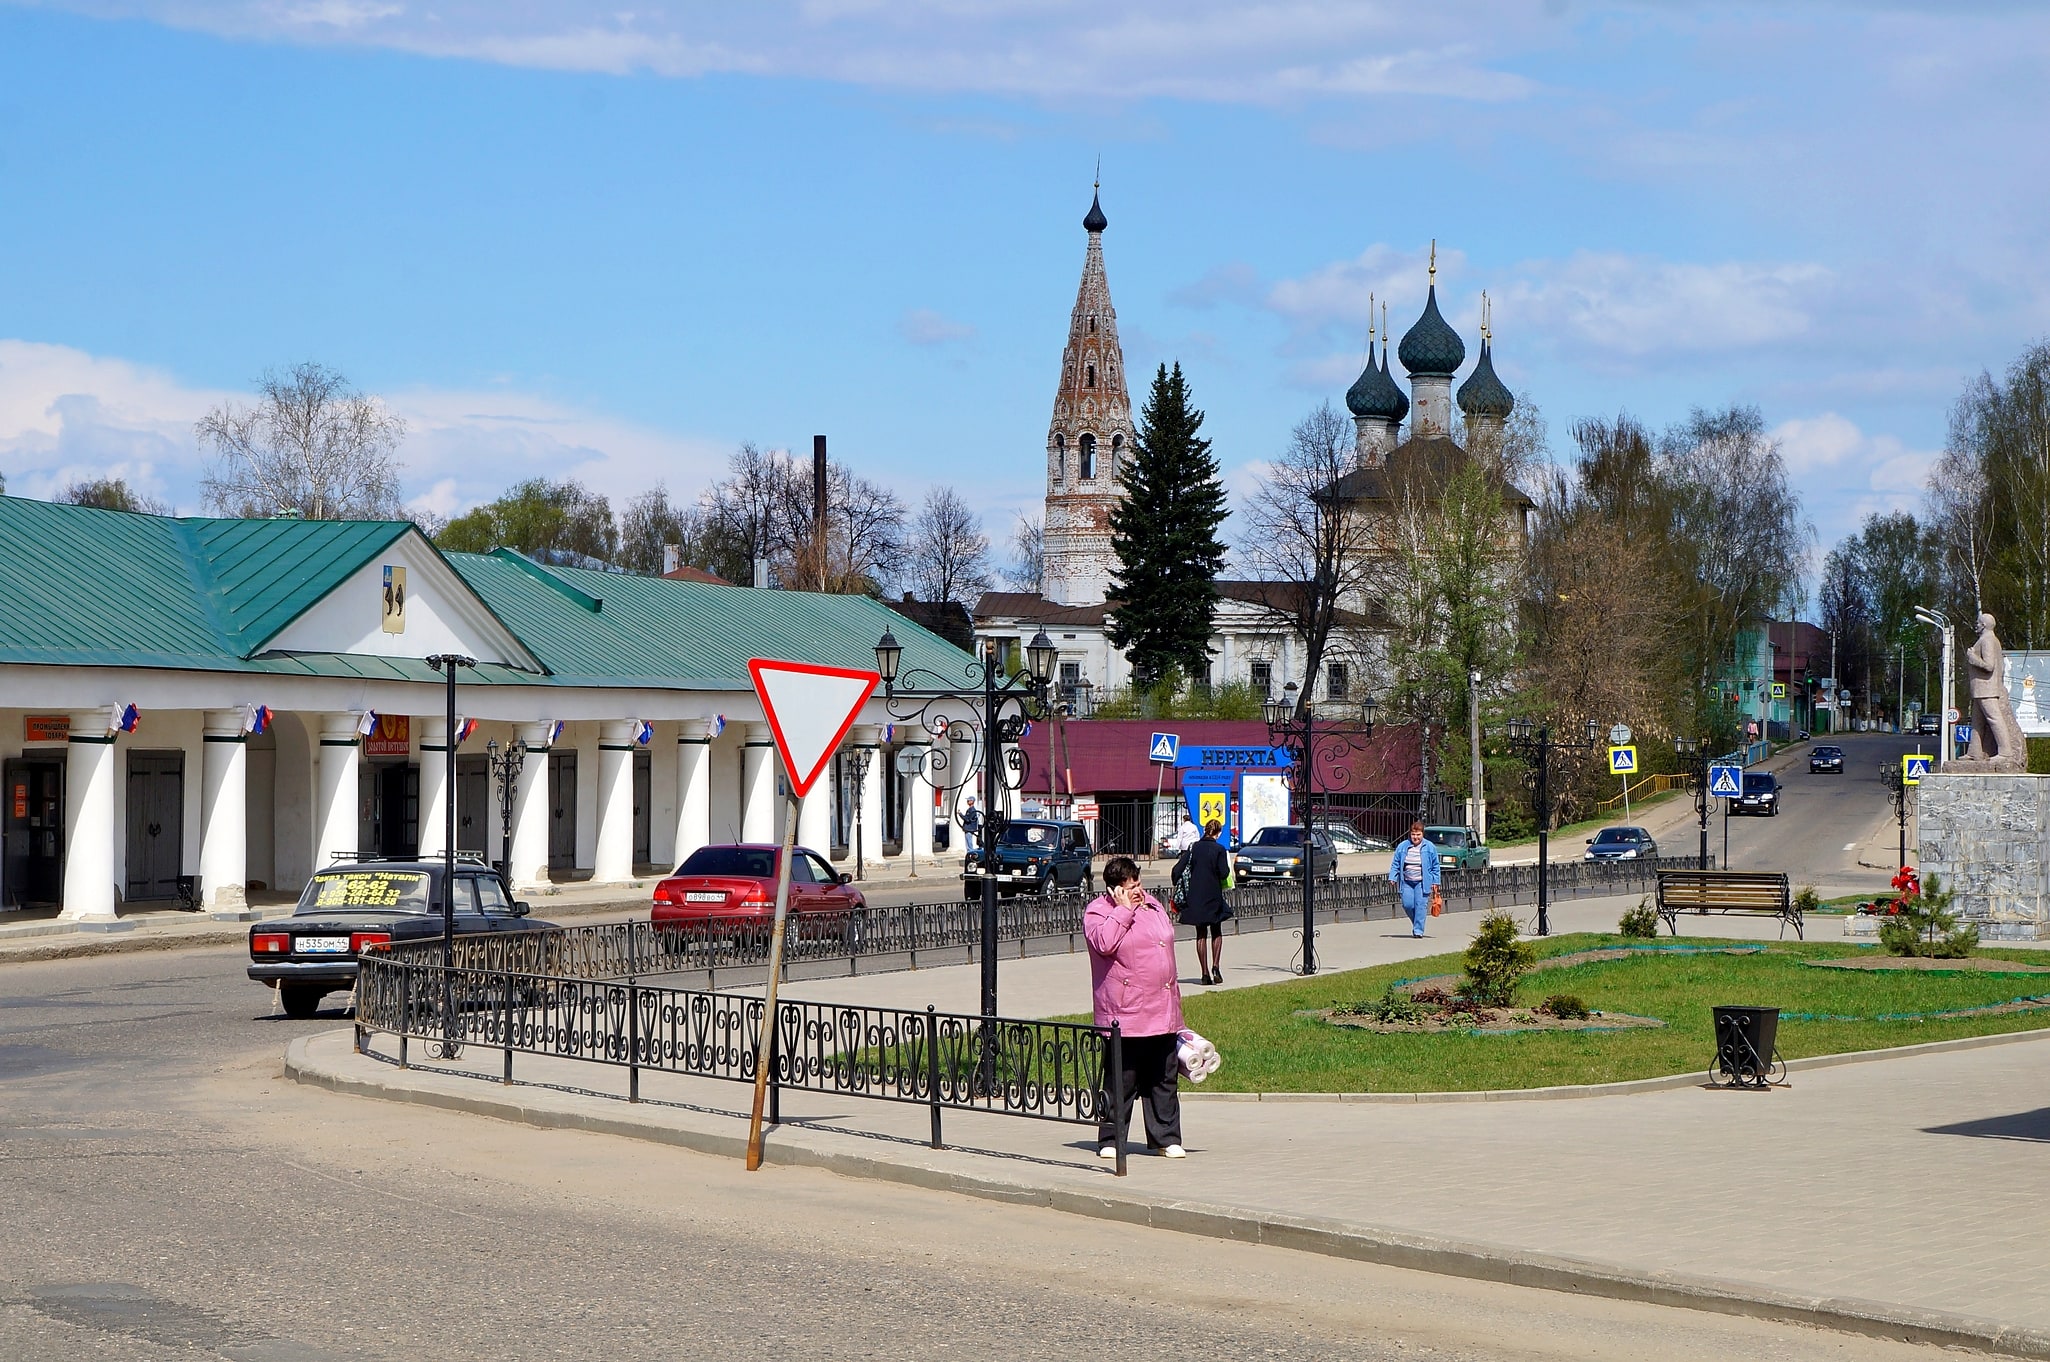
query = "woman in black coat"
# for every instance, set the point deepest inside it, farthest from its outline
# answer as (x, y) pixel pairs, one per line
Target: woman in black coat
(1204, 868)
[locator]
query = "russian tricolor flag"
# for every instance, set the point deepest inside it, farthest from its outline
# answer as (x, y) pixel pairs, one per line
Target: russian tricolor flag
(125, 718)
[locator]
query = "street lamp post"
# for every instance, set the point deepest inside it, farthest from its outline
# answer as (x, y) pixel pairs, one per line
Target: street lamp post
(1010, 701)
(448, 663)
(1292, 725)
(505, 764)
(857, 762)
(1935, 617)
(1537, 746)
(1697, 780)
(1897, 788)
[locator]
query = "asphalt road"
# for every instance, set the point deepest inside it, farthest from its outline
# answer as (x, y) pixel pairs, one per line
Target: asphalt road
(166, 1194)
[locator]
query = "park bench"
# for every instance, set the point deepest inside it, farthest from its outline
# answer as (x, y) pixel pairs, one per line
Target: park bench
(1726, 891)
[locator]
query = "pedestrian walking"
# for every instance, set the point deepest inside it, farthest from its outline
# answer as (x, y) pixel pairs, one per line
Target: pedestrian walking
(1185, 835)
(1414, 871)
(1200, 878)
(971, 827)
(1132, 978)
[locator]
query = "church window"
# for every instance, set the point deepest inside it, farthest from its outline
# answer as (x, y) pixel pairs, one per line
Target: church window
(1092, 326)
(1261, 674)
(1337, 681)
(1088, 456)
(1117, 449)
(1092, 375)
(1060, 458)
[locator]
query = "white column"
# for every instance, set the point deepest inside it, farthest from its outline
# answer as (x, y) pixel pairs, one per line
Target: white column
(759, 821)
(815, 822)
(435, 787)
(864, 739)
(336, 825)
(917, 790)
(224, 813)
(614, 861)
(693, 787)
(89, 819)
(529, 868)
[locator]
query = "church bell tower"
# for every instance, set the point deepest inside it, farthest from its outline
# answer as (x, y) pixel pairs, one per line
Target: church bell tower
(1089, 439)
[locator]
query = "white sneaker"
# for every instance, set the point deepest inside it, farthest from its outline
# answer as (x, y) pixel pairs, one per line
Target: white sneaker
(1109, 1151)
(1174, 1151)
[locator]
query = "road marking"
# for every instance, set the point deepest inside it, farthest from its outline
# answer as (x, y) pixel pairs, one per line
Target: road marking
(1850, 846)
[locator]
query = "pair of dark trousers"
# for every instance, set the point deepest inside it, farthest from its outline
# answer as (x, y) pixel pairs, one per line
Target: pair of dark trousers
(1151, 1075)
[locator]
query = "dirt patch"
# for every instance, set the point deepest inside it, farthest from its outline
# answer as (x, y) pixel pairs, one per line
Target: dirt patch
(1502, 1021)
(1969, 965)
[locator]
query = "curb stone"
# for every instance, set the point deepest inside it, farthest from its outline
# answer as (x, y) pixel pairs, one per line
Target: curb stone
(1390, 1248)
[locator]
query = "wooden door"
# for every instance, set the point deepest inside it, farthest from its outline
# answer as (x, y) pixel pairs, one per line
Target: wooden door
(156, 824)
(562, 810)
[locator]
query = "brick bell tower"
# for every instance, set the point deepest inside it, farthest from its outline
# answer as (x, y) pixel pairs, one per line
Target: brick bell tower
(1090, 437)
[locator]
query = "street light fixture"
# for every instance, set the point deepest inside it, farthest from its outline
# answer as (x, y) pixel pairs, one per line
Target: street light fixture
(1897, 789)
(1930, 616)
(1536, 745)
(1010, 701)
(449, 662)
(1697, 782)
(1293, 725)
(505, 768)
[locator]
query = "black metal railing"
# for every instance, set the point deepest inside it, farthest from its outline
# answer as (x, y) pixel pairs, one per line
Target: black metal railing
(943, 1061)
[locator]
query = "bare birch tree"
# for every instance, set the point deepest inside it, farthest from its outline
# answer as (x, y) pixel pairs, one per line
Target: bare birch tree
(946, 555)
(1027, 568)
(311, 445)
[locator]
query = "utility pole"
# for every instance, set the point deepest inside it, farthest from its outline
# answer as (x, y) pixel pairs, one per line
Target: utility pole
(1473, 733)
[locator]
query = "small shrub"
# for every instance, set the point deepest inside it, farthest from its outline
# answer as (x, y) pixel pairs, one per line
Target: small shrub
(1920, 921)
(1806, 900)
(1496, 961)
(1564, 1006)
(1394, 1006)
(1641, 922)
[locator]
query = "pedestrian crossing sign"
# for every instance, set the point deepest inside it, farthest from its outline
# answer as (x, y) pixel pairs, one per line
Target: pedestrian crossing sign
(1914, 766)
(1622, 761)
(1726, 782)
(1163, 747)
(1779, 690)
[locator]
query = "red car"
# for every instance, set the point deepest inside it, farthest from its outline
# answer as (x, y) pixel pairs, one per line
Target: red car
(739, 881)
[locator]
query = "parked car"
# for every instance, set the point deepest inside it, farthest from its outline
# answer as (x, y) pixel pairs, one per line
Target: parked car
(738, 880)
(1621, 844)
(353, 905)
(1458, 848)
(1348, 839)
(1761, 794)
(1825, 758)
(1276, 853)
(1035, 856)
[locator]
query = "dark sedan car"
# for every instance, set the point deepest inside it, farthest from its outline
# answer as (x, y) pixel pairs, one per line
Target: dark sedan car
(1621, 844)
(357, 904)
(1277, 853)
(1825, 758)
(1761, 794)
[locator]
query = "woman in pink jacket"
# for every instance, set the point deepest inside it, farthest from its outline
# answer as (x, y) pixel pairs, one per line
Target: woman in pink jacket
(1132, 973)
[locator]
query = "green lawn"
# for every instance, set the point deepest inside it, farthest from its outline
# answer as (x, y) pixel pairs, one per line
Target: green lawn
(1268, 1048)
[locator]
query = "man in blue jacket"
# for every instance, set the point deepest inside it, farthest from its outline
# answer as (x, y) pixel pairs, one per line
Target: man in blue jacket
(1414, 871)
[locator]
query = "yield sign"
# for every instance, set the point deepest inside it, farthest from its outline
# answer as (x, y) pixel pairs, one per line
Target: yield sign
(809, 709)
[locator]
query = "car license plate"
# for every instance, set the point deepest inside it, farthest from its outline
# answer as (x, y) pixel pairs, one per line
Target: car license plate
(703, 896)
(323, 945)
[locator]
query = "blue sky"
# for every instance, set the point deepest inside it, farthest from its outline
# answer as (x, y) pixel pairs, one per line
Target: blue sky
(567, 240)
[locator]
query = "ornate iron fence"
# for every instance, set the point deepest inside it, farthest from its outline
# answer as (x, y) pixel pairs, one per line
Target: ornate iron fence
(944, 1061)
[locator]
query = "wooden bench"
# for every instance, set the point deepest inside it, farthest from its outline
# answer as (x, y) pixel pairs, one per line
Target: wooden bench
(1727, 891)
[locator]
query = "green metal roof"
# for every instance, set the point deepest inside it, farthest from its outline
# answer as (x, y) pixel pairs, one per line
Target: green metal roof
(96, 588)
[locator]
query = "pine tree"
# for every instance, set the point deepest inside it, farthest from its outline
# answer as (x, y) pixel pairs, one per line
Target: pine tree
(1165, 535)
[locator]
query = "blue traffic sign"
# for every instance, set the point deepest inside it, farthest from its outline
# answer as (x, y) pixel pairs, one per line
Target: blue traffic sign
(1725, 782)
(1164, 747)
(1200, 758)
(1914, 766)
(1961, 733)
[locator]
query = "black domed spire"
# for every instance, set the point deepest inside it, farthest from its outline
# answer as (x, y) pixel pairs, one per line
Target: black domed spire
(1483, 394)
(1374, 394)
(1401, 397)
(1096, 221)
(1432, 348)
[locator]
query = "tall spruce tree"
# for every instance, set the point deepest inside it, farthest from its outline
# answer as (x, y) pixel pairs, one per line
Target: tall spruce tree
(1164, 596)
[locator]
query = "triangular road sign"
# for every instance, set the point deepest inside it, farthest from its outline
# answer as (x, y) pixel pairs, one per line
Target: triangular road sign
(809, 709)
(1725, 782)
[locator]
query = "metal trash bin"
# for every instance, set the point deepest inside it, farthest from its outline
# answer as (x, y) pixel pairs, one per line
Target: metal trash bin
(1744, 1053)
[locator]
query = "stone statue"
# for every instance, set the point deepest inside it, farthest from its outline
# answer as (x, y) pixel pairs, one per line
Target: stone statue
(1997, 743)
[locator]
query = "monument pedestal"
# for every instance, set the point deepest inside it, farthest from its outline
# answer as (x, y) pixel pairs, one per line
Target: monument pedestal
(1987, 836)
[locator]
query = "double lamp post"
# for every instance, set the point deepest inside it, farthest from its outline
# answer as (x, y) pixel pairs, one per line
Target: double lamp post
(1294, 726)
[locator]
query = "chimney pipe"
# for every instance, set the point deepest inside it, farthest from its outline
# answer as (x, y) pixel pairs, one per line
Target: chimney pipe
(818, 504)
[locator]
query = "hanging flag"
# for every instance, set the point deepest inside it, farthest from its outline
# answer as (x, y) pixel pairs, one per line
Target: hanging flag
(125, 718)
(889, 734)
(554, 732)
(256, 719)
(366, 723)
(464, 728)
(645, 733)
(718, 724)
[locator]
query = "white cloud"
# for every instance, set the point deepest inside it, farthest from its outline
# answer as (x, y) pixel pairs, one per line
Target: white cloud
(1845, 473)
(1632, 305)
(924, 326)
(66, 415)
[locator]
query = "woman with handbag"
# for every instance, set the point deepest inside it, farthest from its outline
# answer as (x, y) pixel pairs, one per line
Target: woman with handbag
(1200, 878)
(1414, 872)
(1132, 982)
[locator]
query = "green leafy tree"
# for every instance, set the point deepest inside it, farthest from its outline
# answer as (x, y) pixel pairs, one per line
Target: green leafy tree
(1165, 536)
(112, 494)
(555, 521)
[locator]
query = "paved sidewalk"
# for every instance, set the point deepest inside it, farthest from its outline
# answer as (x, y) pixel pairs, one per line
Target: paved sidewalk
(1898, 1196)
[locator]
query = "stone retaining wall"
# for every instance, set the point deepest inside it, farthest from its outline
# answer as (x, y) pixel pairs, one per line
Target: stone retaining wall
(1988, 837)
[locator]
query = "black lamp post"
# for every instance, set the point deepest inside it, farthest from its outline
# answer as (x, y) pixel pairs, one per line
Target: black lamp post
(505, 770)
(1010, 700)
(857, 762)
(1697, 781)
(1898, 790)
(1293, 725)
(1536, 745)
(449, 662)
